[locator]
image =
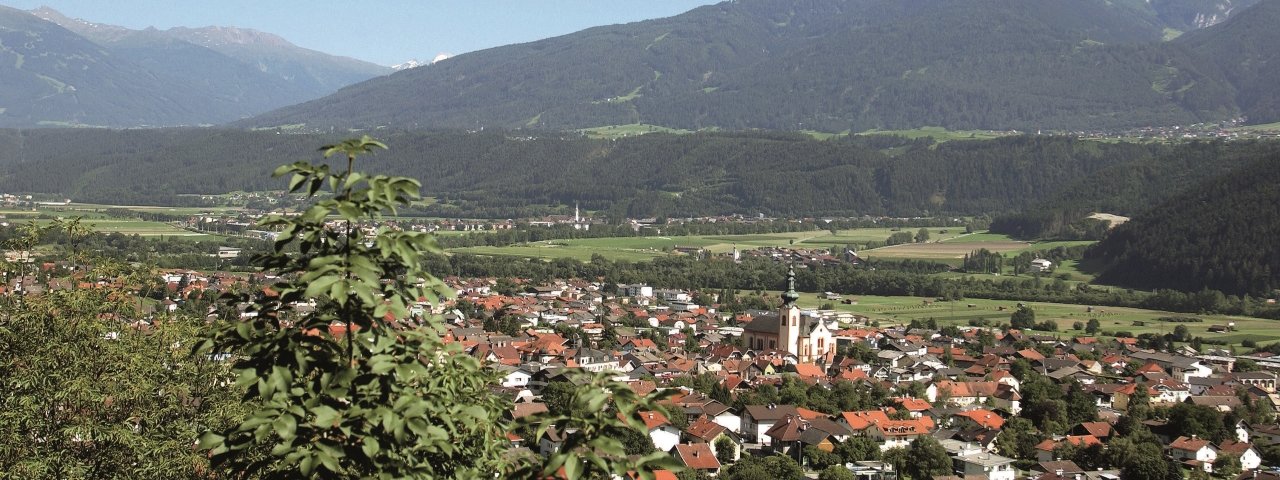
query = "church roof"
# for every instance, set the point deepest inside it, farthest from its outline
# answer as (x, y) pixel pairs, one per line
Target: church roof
(763, 324)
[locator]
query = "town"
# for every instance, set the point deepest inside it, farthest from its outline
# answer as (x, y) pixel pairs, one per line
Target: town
(818, 393)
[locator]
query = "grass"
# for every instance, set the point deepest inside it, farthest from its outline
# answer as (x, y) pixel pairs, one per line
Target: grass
(1265, 126)
(938, 134)
(949, 247)
(617, 131)
(899, 309)
(94, 216)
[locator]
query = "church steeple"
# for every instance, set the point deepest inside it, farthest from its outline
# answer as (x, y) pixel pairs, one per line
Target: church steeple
(790, 296)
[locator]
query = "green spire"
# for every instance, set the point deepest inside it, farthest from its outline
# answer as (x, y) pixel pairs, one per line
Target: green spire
(790, 296)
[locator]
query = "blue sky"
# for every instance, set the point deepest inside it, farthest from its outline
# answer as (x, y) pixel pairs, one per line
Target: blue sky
(379, 31)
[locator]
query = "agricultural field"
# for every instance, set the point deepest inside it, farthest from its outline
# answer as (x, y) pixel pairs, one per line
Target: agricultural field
(895, 310)
(947, 245)
(940, 134)
(643, 248)
(95, 219)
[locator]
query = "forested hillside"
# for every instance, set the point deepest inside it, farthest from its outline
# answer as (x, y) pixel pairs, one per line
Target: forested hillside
(510, 174)
(1220, 235)
(836, 65)
(1128, 188)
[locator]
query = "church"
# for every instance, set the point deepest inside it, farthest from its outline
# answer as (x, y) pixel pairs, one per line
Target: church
(808, 338)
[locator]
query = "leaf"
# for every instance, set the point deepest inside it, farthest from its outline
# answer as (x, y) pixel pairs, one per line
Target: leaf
(326, 416)
(286, 426)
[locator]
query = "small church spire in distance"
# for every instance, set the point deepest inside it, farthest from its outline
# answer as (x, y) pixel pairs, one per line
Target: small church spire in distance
(790, 296)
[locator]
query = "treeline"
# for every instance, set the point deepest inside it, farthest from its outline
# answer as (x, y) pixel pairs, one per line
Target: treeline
(495, 174)
(911, 278)
(524, 233)
(1219, 236)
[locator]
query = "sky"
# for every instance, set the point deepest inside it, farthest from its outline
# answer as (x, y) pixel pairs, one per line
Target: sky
(386, 32)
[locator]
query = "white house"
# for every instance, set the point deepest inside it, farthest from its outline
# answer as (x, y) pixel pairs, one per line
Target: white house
(665, 436)
(985, 465)
(517, 378)
(1249, 457)
(1041, 265)
(760, 418)
(1192, 448)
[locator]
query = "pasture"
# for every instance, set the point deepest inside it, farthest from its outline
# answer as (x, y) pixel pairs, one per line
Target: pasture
(93, 217)
(902, 310)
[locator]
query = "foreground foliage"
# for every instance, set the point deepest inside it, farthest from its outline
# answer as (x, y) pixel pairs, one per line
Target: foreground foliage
(87, 391)
(362, 385)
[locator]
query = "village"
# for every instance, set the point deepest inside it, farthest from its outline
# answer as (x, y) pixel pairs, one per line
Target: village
(828, 389)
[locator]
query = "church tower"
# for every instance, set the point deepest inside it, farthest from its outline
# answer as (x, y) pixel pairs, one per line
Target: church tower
(789, 316)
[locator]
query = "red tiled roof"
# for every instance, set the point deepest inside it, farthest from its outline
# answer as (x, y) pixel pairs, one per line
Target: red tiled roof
(1188, 444)
(654, 419)
(984, 418)
(698, 456)
(862, 420)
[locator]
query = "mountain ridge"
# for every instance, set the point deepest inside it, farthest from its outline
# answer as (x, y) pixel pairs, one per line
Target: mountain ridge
(829, 65)
(154, 77)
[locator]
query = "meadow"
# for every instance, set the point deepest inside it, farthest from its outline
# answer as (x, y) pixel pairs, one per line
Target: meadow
(94, 217)
(902, 310)
(947, 245)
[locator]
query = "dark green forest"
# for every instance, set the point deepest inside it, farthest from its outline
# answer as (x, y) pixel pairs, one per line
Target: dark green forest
(1127, 189)
(1220, 235)
(832, 65)
(495, 174)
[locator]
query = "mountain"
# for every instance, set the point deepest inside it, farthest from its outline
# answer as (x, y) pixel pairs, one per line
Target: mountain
(1187, 15)
(1243, 49)
(1220, 235)
(63, 71)
(828, 65)
(53, 76)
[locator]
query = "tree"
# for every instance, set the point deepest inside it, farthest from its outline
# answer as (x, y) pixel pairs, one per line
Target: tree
(1146, 463)
(928, 458)
(359, 386)
(898, 457)
(1022, 319)
(1092, 326)
(922, 235)
(817, 459)
(1181, 333)
(857, 449)
(726, 450)
(87, 394)
(1226, 466)
(836, 472)
(772, 467)
(1018, 439)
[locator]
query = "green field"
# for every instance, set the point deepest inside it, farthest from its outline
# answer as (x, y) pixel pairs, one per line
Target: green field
(939, 134)
(949, 247)
(864, 235)
(616, 131)
(1116, 319)
(94, 217)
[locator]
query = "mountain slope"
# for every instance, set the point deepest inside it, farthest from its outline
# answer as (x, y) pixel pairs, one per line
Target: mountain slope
(828, 65)
(127, 78)
(1244, 49)
(1220, 235)
(311, 73)
(51, 75)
